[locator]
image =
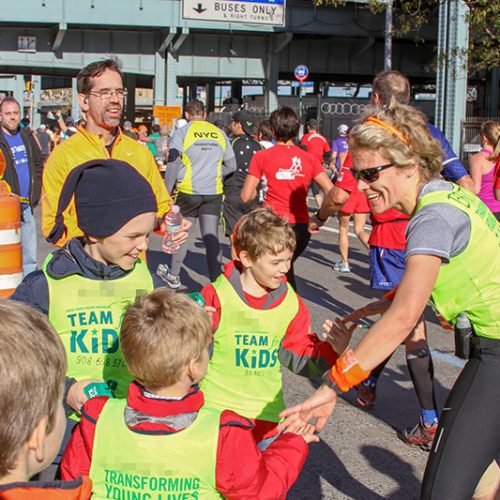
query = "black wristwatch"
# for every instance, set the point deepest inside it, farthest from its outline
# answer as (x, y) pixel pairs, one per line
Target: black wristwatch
(316, 214)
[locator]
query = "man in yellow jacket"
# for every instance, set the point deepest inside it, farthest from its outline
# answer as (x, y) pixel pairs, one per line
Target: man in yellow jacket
(101, 96)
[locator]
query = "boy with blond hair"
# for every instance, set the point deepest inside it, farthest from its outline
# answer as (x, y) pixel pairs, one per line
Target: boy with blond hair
(32, 368)
(163, 440)
(259, 323)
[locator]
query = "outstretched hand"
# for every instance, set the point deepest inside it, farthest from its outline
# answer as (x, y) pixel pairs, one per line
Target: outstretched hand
(371, 309)
(319, 407)
(337, 334)
(355, 315)
(307, 431)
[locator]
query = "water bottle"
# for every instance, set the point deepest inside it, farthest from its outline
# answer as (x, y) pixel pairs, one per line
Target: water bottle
(173, 223)
(463, 334)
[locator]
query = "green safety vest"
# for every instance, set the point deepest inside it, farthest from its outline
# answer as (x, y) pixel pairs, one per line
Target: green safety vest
(157, 467)
(244, 374)
(193, 135)
(470, 282)
(87, 315)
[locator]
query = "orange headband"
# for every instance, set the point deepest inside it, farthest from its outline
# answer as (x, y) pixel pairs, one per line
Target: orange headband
(372, 120)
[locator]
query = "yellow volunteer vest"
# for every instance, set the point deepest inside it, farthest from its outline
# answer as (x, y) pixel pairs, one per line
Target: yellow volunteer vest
(87, 315)
(156, 467)
(470, 282)
(244, 374)
(198, 131)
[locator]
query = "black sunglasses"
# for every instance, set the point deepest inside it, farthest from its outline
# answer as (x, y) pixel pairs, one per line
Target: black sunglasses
(370, 174)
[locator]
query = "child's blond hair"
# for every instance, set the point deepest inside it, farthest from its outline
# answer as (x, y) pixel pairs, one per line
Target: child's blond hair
(32, 374)
(160, 334)
(262, 231)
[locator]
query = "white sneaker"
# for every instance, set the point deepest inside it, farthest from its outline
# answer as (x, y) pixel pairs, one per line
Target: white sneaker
(337, 265)
(342, 267)
(171, 279)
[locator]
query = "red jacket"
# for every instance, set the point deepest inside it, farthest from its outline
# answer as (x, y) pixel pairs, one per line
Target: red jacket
(300, 351)
(79, 489)
(242, 470)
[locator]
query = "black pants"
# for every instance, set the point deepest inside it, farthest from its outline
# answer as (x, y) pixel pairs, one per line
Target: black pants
(302, 235)
(233, 209)
(468, 436)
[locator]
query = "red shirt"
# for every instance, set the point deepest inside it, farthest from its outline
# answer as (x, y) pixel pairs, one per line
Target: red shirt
(289, 170)
(389, 229)
(316, 144)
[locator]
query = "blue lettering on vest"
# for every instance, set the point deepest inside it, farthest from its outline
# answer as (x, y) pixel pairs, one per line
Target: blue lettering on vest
(77, 338)
(256, 358)
(105, 341)
(109, 347)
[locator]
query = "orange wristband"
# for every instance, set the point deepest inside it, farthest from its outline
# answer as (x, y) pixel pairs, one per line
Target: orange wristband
(346, 373)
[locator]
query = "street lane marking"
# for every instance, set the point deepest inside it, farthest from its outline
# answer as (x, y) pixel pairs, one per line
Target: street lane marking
(334, 230)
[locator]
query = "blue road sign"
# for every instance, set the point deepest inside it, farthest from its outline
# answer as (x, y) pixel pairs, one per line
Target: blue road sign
(301, 72)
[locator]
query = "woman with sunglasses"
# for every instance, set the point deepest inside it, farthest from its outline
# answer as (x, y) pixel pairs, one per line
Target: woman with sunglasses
(453, 258)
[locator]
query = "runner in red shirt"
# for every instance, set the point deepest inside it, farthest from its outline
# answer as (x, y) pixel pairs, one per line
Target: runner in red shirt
(289, 171)
(313, 142)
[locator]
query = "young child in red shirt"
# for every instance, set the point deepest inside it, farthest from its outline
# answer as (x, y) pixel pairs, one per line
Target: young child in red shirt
(259, 324)
(32, 368)
(163, 441)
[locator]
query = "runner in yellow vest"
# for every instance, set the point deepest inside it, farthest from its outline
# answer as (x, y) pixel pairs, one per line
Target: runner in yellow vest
(452, 255)
(163, 442)
(245, 373)
(260, 324)
(200, 156)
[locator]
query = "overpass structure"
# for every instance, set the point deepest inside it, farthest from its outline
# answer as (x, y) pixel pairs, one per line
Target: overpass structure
(157, 45)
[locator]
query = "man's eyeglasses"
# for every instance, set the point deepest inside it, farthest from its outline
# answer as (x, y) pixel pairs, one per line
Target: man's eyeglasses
(108, 93)
(370, 174)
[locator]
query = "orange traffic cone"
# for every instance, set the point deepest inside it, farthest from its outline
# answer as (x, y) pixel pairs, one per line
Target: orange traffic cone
(11, 253)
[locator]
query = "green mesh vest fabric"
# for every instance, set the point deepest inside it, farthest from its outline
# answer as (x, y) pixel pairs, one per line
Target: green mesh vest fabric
(173, 466)
(87, 315)
(470, 282)
(244, 374)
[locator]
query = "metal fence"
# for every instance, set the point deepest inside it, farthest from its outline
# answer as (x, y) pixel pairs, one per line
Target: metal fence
(331, 113)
